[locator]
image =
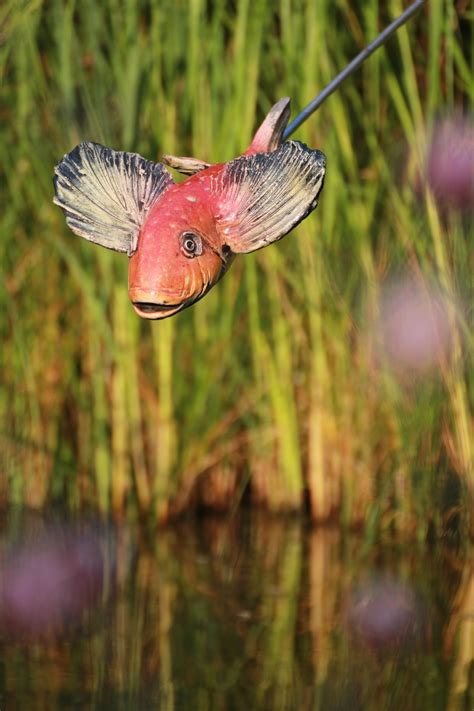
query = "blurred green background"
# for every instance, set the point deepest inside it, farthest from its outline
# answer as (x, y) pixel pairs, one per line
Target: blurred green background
(274, 388)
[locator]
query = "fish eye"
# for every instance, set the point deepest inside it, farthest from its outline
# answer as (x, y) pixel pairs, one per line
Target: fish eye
(191, 244)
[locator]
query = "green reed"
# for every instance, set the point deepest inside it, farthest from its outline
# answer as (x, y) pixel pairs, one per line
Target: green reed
(271, 381)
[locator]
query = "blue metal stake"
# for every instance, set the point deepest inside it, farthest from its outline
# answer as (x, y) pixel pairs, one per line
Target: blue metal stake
(355, 64)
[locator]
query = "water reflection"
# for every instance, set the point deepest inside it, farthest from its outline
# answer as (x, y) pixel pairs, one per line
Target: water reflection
(387, 615)
(51, 575)
(253, 613)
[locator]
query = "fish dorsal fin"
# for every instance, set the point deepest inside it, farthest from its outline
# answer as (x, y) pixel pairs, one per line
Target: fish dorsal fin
(184, 164)
(270, 133)
(263, 196)
(106, 194)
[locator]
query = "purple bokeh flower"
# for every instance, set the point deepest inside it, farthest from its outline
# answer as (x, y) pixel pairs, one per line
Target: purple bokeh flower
(450, 163)
(52, 581)
(386, 614)
(414, 327)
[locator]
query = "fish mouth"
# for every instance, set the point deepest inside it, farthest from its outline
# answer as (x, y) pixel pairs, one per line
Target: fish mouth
(146, 307)
(150, 310)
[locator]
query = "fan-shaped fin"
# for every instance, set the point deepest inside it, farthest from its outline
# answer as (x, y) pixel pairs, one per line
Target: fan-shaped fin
(263, 196)
(106, 194)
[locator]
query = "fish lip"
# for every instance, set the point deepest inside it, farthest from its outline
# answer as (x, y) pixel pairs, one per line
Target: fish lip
(151, 310)
(154, 310)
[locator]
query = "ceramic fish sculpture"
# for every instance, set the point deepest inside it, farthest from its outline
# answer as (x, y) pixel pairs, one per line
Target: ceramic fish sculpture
(181, 237)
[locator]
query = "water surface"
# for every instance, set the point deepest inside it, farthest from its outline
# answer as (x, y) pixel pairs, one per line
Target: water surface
(229, 614)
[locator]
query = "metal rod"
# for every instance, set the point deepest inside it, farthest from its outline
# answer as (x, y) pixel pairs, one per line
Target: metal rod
(355, 64)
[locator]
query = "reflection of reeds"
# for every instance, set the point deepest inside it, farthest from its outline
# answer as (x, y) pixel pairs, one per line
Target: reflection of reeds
(255, 614)
(324, 596)
(282, 562)
(459, 643)
(271, 378)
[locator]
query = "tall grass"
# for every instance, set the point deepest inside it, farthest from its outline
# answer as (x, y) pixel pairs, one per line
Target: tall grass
(269, 385)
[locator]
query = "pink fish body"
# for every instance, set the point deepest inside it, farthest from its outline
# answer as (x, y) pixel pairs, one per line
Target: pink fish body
(181, 237)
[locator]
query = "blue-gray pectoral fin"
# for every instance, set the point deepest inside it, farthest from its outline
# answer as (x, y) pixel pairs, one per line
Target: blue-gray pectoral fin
(264, 196)
(106, 194)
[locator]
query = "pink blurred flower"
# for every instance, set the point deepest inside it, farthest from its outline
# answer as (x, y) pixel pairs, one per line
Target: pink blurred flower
(450, 163)
(49, 582)
(414, 325)
(386, 614)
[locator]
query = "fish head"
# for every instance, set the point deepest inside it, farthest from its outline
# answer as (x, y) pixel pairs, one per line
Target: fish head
(179, 256)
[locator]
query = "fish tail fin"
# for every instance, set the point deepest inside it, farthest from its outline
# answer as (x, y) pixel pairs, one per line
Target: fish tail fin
(270, 134)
